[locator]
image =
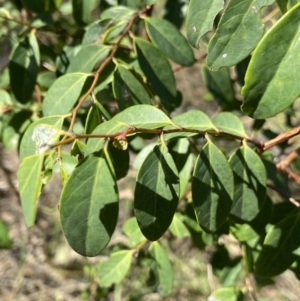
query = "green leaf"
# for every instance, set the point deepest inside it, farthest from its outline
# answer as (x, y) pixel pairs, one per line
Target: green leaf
(39, 6)
(5, 100)
(212, 188)
(184, 161)
(133, 232)
(229, 123)
(114, 31)
(158, 71)
(139, 116)
(64, 93)
(250, 183)
(220, 85)
(23, 68)
(200, 18)
(170, 41)
(227, 294)
(87, 57)
(280, 248)
(163, 268)
(82, 11)
(178, 228)
(115, 268)
(282, 4)
(93, 118)
(30, 186)
(117, 13)
(5, 240)
(239, 31)
(28, 146)
(128, 89)
(46, 79)
(94, 32)
(174, 12)
(193, 119)
(271, 82)
(156, 193)
(89, 205)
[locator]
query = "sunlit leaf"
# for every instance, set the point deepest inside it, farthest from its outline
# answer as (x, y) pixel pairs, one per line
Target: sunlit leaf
(178, 228)
(133, 232)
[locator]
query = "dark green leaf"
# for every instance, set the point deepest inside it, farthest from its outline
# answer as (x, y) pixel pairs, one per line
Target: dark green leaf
(170, 41)
(158, 71)
(39, 6)
(115, 268)
(280, 248)
(87, 57)
(128, 89)
(89, 205)
(174, 11)
(238, 32)
(250, 183)
(93, 119)
(220, 85)
(156, 193)
(64, 93)
(229, 123)
(28, 146)
(200, 18)
(23, 68)
(212, 188)
(82, 11)
(163, 268)
(271, 82)
(30, 186)
(282, 5)
(194, 120)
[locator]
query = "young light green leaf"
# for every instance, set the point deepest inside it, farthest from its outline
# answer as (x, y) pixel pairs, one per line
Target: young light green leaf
(115, 268)
(163, 268)
(227, 294)
(138, 116)
(220, 85)
(133, 232)
(156, 193)
(128, 89)
(250, 184)
(271, 82)
(89, 205)
(30, 186)
(170, 41)
(23, 68)
(158, 71)
(280, 248)
(178, 228)
(87, 58)
(229, 123)
(238, 32)
(193, 119)
(27, 146)
(212, 188)
(200, 18)
(64, 93)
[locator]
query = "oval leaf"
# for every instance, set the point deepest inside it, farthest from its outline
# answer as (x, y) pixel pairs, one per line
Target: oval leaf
(23, 68)
(212, 188)
(280, 248)
(128, 89)
(200, 18)
(156, 193)
(239, 31)
(272, 80)
(250, 184)
(28, 146)
(89, 205)
(133, 232)
(87, 57)
(115, 268)
(194, 120)
(30, 186)
(64, 93)
(163, 268)
(170, 41)
(229, 123)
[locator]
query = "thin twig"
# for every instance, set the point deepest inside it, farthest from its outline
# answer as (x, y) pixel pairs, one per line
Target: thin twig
(284, 195)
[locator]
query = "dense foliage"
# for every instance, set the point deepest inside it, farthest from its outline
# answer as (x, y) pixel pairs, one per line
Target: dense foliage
(99, 76)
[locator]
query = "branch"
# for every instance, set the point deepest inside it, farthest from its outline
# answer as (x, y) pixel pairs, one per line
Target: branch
(284, 195)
